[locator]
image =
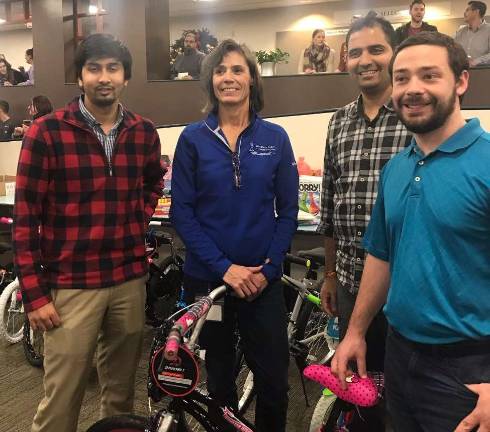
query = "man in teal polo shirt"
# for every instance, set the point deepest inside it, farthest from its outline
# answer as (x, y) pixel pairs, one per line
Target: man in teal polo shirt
(428, 247)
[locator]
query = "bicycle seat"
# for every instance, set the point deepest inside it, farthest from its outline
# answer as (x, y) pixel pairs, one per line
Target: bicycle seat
(5, 247)
(364, 392)
(316, 255)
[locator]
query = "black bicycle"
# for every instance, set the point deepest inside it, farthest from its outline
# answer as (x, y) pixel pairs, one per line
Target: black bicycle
(173, 378)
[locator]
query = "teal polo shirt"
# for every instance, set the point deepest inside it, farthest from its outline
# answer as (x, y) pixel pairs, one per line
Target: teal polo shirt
(431, 222)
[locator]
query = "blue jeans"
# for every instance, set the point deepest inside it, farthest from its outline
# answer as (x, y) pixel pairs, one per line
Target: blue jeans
(262, 325)
(425, 384)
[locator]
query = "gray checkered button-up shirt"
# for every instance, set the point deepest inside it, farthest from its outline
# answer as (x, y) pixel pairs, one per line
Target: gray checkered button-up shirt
(356, 151)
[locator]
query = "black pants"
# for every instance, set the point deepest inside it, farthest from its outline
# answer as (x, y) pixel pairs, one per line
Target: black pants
(262, 325)
(373, 419)
(426, 390)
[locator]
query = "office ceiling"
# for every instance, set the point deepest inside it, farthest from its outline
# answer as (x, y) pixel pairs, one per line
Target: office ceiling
(192, 7)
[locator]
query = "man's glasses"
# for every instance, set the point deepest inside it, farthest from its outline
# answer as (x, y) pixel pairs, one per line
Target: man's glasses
(235, 160)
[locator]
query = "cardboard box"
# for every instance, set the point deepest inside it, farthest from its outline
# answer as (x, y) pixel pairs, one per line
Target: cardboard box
(310, 194)
(7, 185)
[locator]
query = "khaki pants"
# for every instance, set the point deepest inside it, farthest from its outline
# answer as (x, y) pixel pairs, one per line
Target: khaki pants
(110, 320)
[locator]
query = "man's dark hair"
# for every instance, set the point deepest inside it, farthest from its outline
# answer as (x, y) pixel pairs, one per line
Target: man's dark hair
(42, 105)
(30, 52)
(416, 2)
(4, 106)
(191, 32)
(214, 59)
(457, 58)
(372, 20)
(480, 6)
(101, 46)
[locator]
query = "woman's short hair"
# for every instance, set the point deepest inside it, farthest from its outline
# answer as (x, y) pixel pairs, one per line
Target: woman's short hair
(100, 46)
(42, 105)
(214, 59)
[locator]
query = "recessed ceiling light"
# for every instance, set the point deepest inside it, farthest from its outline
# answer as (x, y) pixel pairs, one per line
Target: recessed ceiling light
(92, 10)
(2, 21)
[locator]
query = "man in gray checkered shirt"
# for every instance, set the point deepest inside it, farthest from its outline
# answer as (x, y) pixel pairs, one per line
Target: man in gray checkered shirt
(362, 137)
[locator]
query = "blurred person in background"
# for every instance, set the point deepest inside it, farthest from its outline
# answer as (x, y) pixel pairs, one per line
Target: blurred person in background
(475, 35)
(318, 57)
(6, 124)
(188, 64)
(29, 75)
(39, 106)
(416, 24)
(7, 75)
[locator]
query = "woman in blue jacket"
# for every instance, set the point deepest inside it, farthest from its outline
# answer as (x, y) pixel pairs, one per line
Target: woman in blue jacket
(235, 205)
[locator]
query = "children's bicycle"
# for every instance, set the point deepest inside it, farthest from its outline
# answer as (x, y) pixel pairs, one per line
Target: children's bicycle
(173, 378)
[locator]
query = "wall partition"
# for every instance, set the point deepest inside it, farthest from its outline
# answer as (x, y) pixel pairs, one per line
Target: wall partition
(149, 27)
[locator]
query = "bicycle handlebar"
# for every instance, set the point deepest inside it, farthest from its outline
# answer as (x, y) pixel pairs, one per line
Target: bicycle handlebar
(188, 320)
(297, 260)
(6, 220)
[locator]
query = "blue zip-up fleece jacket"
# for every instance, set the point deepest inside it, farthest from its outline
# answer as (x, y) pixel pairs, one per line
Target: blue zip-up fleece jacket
(222, 224)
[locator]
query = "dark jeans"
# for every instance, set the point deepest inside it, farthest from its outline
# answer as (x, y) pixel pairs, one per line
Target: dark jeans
(262, 325)
(371, 419)
(426, 390)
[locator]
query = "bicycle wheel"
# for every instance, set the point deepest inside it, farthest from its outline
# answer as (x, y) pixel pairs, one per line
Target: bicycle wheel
(120, 423)
(311, 337)
(323, 410)
(33, 342)
(12, 313)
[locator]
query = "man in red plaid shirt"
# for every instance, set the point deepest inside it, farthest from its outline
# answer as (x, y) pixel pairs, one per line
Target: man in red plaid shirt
(88, 180)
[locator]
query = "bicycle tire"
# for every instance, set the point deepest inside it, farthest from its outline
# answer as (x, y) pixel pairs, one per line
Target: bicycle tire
(331, 421)
(11, 314)
(121, 423)
(33, 343)
(311, 332)
(322, 412)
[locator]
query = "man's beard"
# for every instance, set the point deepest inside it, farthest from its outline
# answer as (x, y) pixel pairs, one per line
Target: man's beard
(189, 51)
(441, 111)
(103, 102)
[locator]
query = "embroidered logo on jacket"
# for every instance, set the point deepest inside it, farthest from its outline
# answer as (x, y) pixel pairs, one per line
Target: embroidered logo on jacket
(262, 150)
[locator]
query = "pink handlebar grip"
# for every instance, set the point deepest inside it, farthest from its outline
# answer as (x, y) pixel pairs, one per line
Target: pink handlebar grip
(6, 220)
(172, 347)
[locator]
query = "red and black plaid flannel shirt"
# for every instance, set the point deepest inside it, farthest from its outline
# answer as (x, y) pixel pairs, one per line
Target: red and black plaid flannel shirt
(76, 225)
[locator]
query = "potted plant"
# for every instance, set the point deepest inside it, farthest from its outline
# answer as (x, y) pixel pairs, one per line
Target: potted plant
(267, 59)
